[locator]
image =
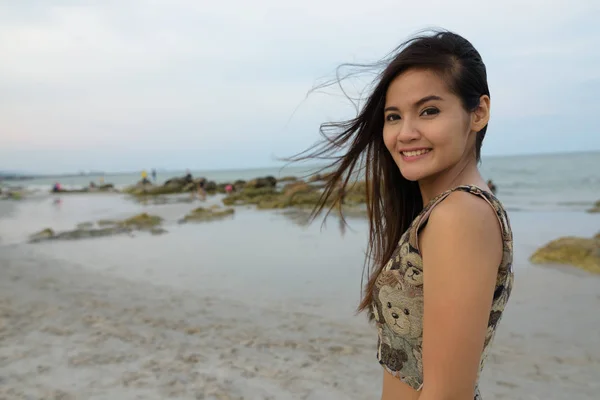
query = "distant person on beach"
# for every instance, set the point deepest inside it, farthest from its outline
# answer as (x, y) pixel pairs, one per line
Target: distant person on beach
(145, 179)
(154, 175)
(440, 245)
(491, 185)
(188, 176)
(228, 188)
(201, 189)
(56, 188)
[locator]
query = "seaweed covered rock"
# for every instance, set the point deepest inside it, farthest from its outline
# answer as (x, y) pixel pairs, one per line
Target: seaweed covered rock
(42, 235)
(580, 252)
(595, 208)
(92, 188)
(140, 222)
(320, 177)
(202, 214)
(296, 194)
(75, 234)
(7, 194)
(250, 196)
(184, 184)
(264, 182)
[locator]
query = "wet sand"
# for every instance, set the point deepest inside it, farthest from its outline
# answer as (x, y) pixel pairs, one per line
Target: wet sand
(205, 312)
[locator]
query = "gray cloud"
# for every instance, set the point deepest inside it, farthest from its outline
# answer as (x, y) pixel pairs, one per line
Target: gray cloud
(217, 84)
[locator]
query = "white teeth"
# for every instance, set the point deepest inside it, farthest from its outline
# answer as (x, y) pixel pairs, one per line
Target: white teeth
(415, 153)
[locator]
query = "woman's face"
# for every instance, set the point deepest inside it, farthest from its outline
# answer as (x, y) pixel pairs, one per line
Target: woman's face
(426, 128)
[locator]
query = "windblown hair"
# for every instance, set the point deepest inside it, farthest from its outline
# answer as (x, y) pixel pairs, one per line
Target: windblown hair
(357, 146)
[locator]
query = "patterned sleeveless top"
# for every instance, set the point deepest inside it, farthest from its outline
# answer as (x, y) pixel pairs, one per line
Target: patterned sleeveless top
(398, 296)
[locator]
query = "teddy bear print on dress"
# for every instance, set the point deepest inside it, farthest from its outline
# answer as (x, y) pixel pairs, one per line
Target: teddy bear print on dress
(397, 306)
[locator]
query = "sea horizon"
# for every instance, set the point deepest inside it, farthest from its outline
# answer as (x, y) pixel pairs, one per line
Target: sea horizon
(282, 166)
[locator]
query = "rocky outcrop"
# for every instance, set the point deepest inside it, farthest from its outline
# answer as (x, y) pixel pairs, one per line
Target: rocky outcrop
(10, 194)
(288, 179)
(264, 182)
(595, 208)
(183, 184)
(202, 214)
(105, 188)
(579, 252)
(103, 228)
(296, 194)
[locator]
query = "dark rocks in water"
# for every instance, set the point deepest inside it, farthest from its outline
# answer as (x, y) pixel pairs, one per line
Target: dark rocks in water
(85, 225)
(210, 186)
(9, 194)
(140, 222)
(49, 234)
(319, 177)
(264, 182)
(183, 184)
(202, 214)
(595, 208)
(296, 194)
(104, 188)
(579, 252)
(250, 196)
(42, 235)
(158, 231)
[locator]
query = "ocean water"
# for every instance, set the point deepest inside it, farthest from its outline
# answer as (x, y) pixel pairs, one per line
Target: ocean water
(269, 257)
(558, 182)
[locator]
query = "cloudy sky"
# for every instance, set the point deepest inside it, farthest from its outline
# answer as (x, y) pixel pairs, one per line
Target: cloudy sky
(130, 84)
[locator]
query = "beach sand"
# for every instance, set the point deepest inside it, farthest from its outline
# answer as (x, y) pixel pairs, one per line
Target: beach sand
(216, 311)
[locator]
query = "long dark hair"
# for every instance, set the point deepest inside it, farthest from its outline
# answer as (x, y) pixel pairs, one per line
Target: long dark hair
(392, 201)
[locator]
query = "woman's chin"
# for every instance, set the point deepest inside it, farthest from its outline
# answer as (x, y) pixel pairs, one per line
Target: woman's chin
(412, 176)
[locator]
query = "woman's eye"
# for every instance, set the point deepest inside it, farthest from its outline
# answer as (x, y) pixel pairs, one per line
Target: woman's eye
(392, 117)
(430, 111)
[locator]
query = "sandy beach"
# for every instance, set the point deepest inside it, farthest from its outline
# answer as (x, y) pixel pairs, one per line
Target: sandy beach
(254, 307)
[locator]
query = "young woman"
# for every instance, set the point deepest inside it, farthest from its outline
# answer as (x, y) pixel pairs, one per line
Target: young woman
(440, 245)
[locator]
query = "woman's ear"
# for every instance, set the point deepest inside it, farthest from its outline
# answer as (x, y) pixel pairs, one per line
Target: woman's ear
(481, 115)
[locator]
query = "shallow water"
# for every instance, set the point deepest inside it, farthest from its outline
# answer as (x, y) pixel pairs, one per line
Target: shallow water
(257, 255)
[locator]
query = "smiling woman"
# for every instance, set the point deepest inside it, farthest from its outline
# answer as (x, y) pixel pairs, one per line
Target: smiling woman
(440, 243)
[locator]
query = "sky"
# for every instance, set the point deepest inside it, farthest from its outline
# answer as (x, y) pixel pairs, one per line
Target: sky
(173, 84)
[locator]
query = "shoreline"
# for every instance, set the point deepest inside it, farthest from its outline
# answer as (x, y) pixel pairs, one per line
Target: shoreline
(154, 317)
(68, 332)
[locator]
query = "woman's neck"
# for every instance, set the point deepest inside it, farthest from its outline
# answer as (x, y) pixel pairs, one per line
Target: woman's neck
(463, 173)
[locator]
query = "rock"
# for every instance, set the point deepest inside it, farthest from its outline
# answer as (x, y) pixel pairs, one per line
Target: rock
(69, 191)
(258, 183)
(580, 252)
(42, 235)
(158, 231)
(296, 194)
(210, 186)
(595, 208)
(320, 177)
(107, 222)
(202, 214)
(77, 234)
(288, 179)
(140, 222)
(250, 196)
(183, 184)
(11, 194)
